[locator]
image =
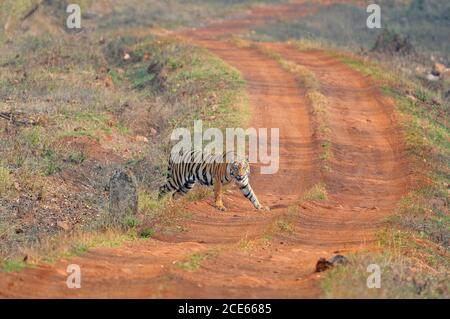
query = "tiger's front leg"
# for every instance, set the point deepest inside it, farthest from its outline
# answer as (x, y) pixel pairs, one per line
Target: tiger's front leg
(218, 194)
(248, 192)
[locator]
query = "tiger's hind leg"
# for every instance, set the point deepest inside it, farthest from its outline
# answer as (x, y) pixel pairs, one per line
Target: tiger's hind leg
(218, 195)
(183, 190)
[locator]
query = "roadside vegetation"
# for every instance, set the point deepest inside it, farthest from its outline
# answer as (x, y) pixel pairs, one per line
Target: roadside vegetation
(106, 15)
(75, 107)
(402, 59)
(424, 23)
(414, 249)
(412, 40)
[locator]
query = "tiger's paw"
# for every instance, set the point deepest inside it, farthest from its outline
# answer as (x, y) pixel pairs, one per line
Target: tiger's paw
(265, 208)
(221, 207)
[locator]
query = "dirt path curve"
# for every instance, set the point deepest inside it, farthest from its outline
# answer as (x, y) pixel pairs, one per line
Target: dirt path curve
(244, 253)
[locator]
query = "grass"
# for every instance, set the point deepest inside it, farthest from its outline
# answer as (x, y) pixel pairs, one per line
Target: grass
(344, 25)
(318, 192)
(64, 245)
(129, 15)
(95, 103)
(194, 261)
(13, 266)
(411, 267)
(283, 224)
(146, 233)
(413, 251)
(400, 278)
(5, 180)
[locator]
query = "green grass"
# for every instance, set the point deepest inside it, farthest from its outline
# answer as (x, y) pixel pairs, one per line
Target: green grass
(193, 262)
(131, 222)
(12, 266)
(146, 233)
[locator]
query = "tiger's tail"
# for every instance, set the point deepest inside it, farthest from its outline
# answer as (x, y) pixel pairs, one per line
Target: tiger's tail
(167, 187)
(163, 190)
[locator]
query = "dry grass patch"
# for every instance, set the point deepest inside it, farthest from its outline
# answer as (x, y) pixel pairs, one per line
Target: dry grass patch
(316, 193)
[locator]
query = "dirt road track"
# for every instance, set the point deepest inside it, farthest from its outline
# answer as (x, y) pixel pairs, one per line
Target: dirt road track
(367, 178)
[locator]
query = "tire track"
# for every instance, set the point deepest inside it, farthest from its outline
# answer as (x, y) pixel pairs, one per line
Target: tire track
(247, 257)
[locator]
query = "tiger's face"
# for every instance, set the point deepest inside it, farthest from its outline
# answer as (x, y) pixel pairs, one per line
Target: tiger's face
(240, 169)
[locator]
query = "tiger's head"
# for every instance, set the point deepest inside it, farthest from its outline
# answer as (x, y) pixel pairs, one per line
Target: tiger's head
(240, 169)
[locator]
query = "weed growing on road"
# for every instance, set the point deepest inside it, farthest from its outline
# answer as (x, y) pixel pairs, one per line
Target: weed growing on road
(194, 261)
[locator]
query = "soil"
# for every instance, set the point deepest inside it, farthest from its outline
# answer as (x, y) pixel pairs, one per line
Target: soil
(242, 255)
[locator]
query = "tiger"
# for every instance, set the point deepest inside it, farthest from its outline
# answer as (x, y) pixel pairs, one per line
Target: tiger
(209, 170)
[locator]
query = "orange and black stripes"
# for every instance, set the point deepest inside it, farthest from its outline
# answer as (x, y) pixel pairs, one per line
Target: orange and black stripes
(195, 167)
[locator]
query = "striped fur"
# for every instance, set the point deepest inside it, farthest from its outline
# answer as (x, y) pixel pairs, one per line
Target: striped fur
(209, 170)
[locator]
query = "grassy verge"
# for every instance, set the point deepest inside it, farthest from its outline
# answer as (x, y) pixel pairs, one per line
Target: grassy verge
(414, 252)
(344, 25)
(101, 14)
(105, 104)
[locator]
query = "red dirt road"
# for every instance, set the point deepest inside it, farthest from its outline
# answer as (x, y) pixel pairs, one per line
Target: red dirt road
(367, 178)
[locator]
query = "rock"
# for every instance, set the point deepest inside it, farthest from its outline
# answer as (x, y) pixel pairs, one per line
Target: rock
(339, 260)
(438, 69)
(123, 199)
(323, 264)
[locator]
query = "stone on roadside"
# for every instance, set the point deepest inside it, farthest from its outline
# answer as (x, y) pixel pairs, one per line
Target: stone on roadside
(123, 198)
